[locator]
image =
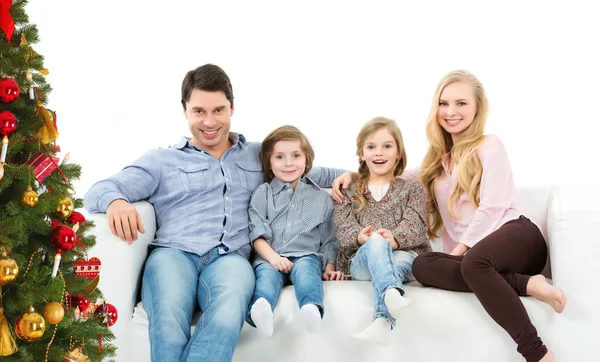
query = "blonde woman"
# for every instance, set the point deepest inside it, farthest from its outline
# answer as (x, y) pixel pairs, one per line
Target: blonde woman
(491, 248)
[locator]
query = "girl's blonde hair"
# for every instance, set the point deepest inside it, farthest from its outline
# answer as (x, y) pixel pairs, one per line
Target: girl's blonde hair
(287, 133)
(464, 152)
(366, 131)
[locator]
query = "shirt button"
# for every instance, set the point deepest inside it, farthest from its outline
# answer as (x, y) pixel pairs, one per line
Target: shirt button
(226, 179)
(226, 197)
(224, 231)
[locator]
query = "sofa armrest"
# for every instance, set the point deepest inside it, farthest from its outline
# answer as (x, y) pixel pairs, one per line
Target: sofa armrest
(574, 239)
(121, 269)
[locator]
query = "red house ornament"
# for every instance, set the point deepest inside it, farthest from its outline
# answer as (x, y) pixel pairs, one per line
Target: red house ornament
(43, 165)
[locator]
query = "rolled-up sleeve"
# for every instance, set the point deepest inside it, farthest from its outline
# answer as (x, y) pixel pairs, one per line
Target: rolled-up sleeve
(134, 183)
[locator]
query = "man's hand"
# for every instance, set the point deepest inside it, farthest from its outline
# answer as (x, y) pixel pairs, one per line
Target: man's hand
(124, 221)
(282, 264)
(344, 181)
(387, 235)
(364, 235)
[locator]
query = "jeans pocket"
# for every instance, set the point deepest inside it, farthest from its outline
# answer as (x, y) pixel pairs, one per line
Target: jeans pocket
(196, 178)
(250, 174)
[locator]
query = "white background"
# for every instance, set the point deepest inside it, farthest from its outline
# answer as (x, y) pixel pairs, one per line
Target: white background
(116, 67)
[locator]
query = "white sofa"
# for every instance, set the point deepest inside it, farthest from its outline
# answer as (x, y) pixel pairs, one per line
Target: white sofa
(438, 326)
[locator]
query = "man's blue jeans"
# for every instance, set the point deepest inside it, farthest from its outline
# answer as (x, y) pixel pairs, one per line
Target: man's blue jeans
(175, 283)
(376, 261)
(306, 276)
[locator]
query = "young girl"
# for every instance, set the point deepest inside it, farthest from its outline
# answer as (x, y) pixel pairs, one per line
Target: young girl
(291, 225)
(381, 224)
(470, 195)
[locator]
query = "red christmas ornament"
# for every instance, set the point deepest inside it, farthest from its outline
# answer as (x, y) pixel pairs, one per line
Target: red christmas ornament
(76, 218)
(88, 269)
(9, 90)
(83, 303)
(8, 123)
(55, 223)
(107, 313)
(63, 238)
(7, 24)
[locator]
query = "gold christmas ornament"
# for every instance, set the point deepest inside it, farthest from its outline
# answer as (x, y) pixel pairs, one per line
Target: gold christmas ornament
(30, 326)
(53, 312)
(47, 133)
(8, 269)
(29, 198)
(75, 355)
(65, 208)
(8, 345)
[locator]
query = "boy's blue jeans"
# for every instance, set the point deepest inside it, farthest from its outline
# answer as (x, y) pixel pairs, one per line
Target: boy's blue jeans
(306, 276)
(175, 283)
(376, 261)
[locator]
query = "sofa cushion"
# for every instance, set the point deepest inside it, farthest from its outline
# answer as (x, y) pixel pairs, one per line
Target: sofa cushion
(428, 330)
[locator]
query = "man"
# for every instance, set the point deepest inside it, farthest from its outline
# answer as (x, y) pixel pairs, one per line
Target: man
(200, 189)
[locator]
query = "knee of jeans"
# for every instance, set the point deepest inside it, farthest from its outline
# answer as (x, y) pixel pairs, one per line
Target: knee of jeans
(377, 242)
(230, 311)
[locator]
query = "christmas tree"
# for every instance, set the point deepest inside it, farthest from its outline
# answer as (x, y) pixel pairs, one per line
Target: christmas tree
(50, 309)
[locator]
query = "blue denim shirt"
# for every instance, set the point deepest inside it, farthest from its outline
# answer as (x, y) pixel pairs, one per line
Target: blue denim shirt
(201, 202)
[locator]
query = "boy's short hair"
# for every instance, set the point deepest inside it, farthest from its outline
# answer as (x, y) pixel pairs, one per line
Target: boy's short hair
(288, 133)
(209, 78)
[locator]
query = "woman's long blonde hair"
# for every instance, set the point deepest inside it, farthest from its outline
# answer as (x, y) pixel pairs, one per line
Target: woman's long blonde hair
(467, 165)
(366, 131)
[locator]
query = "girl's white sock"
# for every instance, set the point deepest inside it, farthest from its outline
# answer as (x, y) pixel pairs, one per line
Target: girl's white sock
(395, 302)
(311, 317)
(380, 332)
(262, 316)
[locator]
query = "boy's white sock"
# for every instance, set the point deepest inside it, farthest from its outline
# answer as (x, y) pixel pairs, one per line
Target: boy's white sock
(262, 316)
(379, 332)
(395, 302)
(311, 317)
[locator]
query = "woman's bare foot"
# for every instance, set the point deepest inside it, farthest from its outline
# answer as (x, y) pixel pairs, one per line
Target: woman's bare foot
(538, 287)
(548, 357)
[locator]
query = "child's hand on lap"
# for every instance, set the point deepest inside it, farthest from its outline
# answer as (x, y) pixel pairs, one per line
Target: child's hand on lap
(364, 235)
(387, 235)
(282, 264)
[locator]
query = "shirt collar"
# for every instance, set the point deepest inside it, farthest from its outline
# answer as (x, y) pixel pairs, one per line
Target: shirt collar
(235, 138)
(446, 160)
(278, 186)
